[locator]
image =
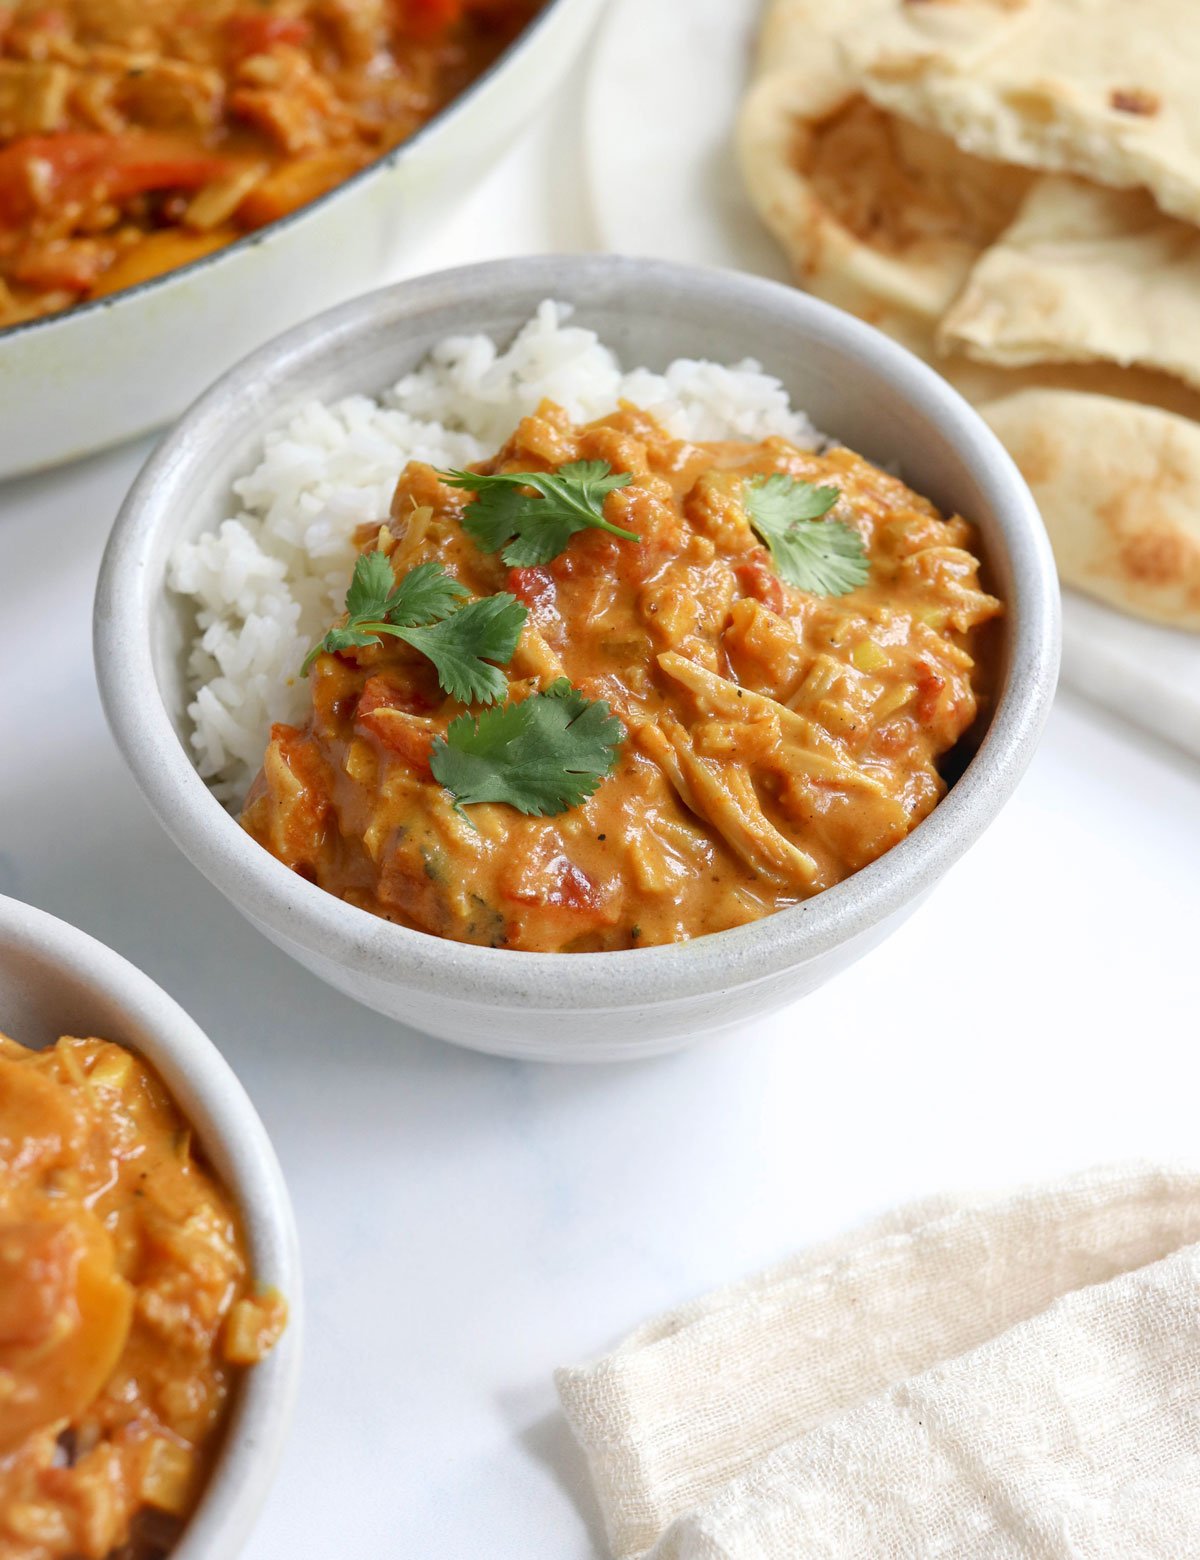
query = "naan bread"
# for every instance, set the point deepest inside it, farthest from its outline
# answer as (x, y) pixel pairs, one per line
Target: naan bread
(1117, 485)
(1084, 275)
(898, 226)
(1072, 313)
(875, 214)
(1102, 88)
(809, 33)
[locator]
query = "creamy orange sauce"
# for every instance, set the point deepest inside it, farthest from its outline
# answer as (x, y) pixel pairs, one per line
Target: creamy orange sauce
(126, 1310)
(776, 741)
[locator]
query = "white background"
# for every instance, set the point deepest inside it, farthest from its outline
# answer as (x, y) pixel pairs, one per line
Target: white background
(467, 1224)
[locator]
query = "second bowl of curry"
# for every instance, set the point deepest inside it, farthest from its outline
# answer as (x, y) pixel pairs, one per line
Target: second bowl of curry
(150, 1271)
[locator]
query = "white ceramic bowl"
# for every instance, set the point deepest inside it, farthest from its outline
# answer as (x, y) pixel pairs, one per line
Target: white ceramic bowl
(76, 382)
(854, 382)
(54, 980)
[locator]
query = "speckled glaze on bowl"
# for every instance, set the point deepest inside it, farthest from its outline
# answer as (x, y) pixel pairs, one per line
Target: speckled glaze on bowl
(55, 980)
(75, 382)
(855, 384)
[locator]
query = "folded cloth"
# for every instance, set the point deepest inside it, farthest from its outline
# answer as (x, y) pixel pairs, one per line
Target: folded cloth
(1003, 1377)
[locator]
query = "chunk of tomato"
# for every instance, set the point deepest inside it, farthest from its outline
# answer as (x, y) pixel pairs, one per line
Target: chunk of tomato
(80, 166)
(561, 884)
(380, 693)
(758, 579)
(536, 587)
(930, 686)
(259, 34)
(429, 19)
(58, 157)
(392, 716)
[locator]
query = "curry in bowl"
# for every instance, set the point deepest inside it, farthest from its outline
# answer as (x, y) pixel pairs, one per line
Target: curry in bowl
(127, 1311)
(139, 135)
(613, 688)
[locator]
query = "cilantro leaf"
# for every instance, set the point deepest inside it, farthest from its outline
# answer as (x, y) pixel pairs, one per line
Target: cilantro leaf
(462, 645)
(426, 594)
(371, 586)
(542, 756)
(825, 557)
(535, 529)
(492, 519)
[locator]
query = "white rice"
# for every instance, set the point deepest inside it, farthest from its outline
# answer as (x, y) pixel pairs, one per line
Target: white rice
(272, 578)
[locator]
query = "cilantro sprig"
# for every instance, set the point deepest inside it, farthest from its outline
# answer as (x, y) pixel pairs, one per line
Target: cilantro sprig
(426, 611)
(528, 529)
(376, 605)
(542, 756)
(825, 557)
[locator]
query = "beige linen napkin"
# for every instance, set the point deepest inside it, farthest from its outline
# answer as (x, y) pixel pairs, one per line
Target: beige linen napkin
(1006, 1377)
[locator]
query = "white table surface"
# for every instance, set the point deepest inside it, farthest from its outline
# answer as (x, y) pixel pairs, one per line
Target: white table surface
(467, 1223)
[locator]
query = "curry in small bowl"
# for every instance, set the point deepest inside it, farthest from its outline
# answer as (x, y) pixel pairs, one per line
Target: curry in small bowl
(127, 1307)
(857, 652)
(612, 689)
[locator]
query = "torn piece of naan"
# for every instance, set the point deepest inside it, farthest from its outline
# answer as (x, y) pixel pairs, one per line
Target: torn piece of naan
(1084, 275)
(876, 214)
(809, 34)
(1117, 484)
(1090, 87)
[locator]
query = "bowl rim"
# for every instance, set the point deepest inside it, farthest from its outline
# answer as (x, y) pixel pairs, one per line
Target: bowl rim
(189, 1063)
(332, 931)
(412, 144)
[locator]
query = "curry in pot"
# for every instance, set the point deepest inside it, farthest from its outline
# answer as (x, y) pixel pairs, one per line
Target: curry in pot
(730, 673)
(126, 1308)
(139, 135)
